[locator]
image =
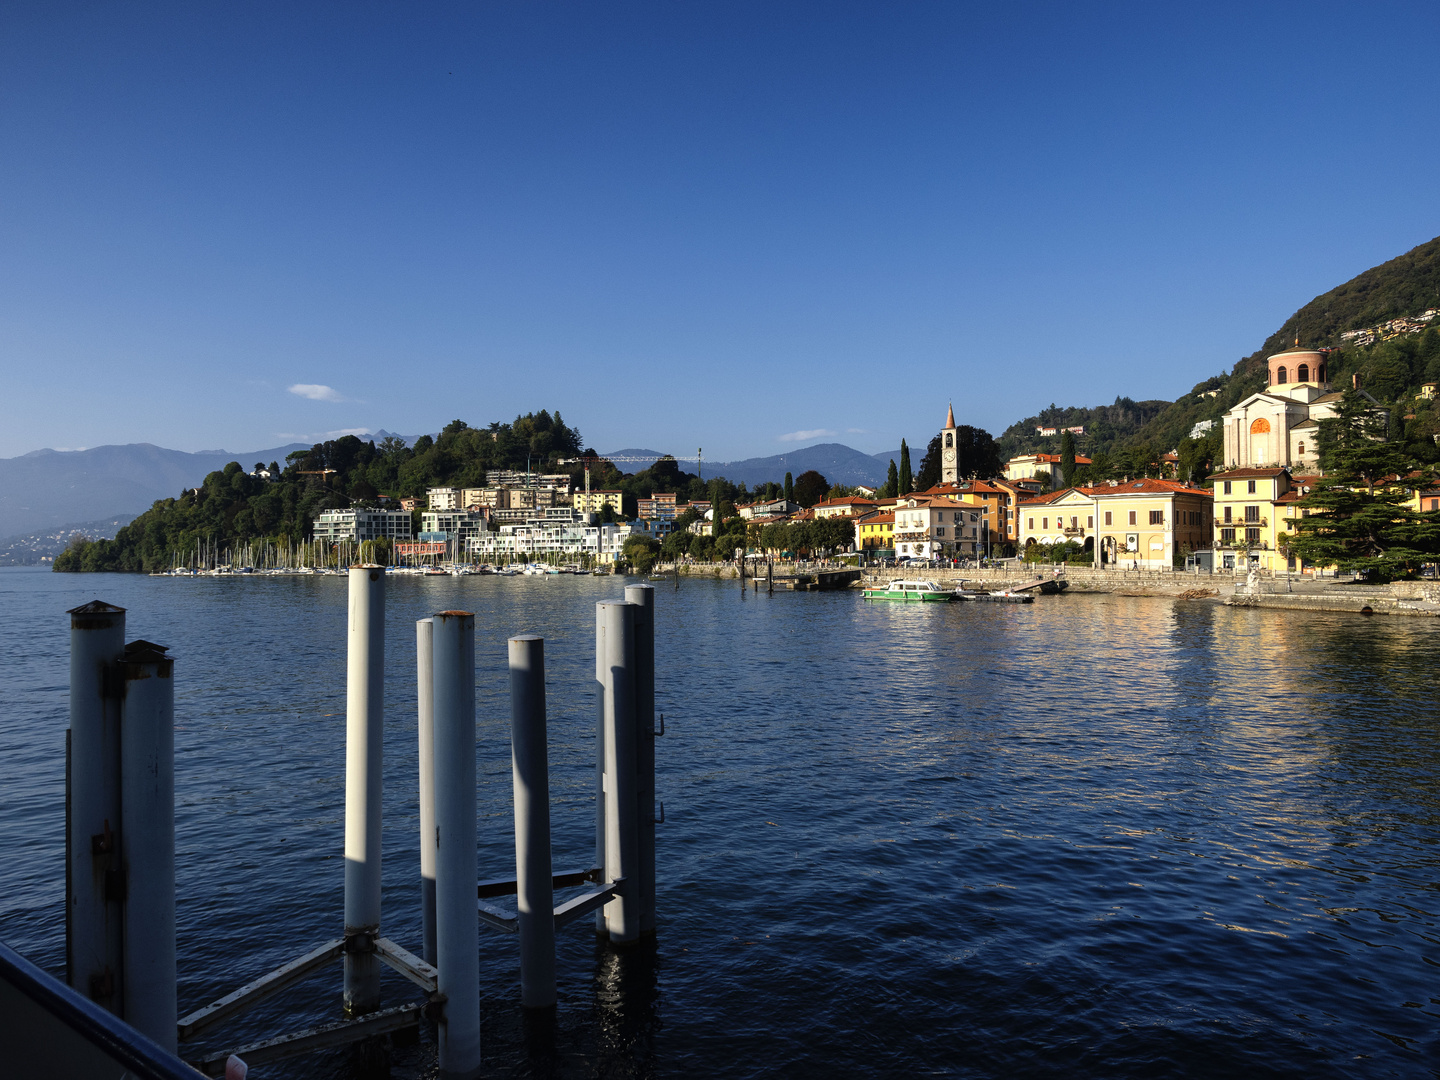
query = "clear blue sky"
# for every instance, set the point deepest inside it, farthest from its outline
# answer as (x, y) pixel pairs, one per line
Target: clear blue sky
(678, 223)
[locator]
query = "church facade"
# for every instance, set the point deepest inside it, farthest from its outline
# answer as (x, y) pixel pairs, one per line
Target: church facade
(1277, 427)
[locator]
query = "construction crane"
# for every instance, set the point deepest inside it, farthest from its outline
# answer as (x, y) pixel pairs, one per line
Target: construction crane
(628, 459)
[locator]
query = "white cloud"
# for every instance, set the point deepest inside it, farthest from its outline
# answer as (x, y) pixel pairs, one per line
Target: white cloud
(317, 392)
(805, 436)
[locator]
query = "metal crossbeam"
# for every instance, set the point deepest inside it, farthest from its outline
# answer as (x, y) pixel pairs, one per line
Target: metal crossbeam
(586, 902)
(259, 989)
(507, 922)
(316, 1038)
(488, 890)
(407, 964)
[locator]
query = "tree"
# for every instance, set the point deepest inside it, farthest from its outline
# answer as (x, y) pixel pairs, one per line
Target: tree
(906, 477)
(810, 488)
(976, 455)
(1355, 517)
(641, 551)
(891, 487)
(1067, 458)
(929, 467)
(789, 488)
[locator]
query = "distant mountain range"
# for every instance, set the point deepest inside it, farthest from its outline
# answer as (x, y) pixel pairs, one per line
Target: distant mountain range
(838, 463)
(47, 496)
(48, 489)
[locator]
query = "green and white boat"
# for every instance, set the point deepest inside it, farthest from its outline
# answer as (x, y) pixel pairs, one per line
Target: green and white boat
(909, 590)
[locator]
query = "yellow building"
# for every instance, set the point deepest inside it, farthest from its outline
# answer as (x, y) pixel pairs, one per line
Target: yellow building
(875, 533)
(1066, 516)
(1151, 524)
(593, 502)
(1253, 510)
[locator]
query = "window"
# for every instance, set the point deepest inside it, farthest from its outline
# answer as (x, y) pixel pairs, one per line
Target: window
(1132, 517)
(1228, 511)
(940, 531)
(1280, 374)
(1108, 518)
(1252, 513)
(1252, 536)
(1030, 523)
(1074, 522)
(1157, 517)
(1227, 536)
(1044, 523)
(1227, 487)
(1302, 448)
(1090, 522)
(1250, 487)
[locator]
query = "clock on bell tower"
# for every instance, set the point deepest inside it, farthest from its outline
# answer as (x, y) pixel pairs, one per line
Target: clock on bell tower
(949, 474)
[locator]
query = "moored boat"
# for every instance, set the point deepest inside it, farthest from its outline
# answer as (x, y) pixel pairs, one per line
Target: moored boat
(901, 589)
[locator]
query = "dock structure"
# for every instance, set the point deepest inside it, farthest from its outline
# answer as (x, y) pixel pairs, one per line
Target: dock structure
(120, 904)
(812, 581)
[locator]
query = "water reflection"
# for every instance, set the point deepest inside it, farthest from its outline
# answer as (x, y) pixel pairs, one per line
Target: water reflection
(1101, 835)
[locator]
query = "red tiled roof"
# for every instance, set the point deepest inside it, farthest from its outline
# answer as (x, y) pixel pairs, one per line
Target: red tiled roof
(1148, 486)
(1231, 474)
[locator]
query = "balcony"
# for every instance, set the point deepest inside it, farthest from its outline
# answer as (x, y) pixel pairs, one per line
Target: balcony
(1074, 531)
(1237, 524)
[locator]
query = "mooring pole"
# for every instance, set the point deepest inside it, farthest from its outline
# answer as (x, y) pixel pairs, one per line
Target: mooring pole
(93, 953)
(147, 840)
(364, 732)
(457, 926)
(643, 597)
(425, 702)
(530, 770)
(617, 688)
(600, 677)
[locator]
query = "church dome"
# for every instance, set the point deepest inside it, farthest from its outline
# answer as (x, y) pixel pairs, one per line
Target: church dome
(1297, 365)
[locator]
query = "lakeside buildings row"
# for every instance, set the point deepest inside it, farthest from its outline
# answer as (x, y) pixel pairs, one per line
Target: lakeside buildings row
(1270, 462)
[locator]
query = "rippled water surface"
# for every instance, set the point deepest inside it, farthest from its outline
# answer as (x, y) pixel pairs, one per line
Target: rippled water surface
(1092, 836)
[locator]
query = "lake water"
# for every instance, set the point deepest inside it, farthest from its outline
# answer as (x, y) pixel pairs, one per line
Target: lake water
(1094, 836)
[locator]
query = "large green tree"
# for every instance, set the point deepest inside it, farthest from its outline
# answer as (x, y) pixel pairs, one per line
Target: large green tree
(1067, 458)
(810, 488)
(1355, 516)
(929, 474)
(907, 478)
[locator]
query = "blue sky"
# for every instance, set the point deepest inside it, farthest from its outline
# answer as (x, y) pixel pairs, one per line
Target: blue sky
(680, 224)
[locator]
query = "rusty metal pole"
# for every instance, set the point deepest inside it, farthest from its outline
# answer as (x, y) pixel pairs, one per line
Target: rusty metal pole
(622, 839)
(425, 701)
(147, 840)
(457, 925)
(530, 772)
(643, 598)
(364, 733)
(93, 956)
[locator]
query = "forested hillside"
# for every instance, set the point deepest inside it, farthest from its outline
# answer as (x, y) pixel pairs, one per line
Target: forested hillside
(1131, 436)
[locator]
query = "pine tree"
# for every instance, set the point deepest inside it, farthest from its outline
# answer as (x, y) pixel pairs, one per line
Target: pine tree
(1356, 515)
(906, 476)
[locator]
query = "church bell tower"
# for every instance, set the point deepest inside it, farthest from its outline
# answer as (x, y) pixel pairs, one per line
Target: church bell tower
(949, 474)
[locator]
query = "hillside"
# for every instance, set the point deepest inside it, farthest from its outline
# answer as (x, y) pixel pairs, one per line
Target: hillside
(1392, 365)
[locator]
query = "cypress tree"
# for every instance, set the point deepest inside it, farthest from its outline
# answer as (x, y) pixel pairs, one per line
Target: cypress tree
(1067, 458)
(789, 488)
(906, 476)
(892, 482)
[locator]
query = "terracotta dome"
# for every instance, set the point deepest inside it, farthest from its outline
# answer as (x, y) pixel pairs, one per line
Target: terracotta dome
(1297, 365)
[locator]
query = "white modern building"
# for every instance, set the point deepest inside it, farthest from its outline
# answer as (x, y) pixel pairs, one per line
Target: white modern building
(333, 526)
(455, 524)
(540, 539)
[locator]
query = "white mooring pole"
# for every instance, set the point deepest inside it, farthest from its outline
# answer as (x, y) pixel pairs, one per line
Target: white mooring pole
(425, 698)
(615, 656)
(530, 769)
(147, 840)
(93, 960)
(457, 924)
(643, 598)
(364, 731)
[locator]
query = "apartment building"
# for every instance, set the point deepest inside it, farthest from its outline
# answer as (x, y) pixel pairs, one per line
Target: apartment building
(333, 526)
